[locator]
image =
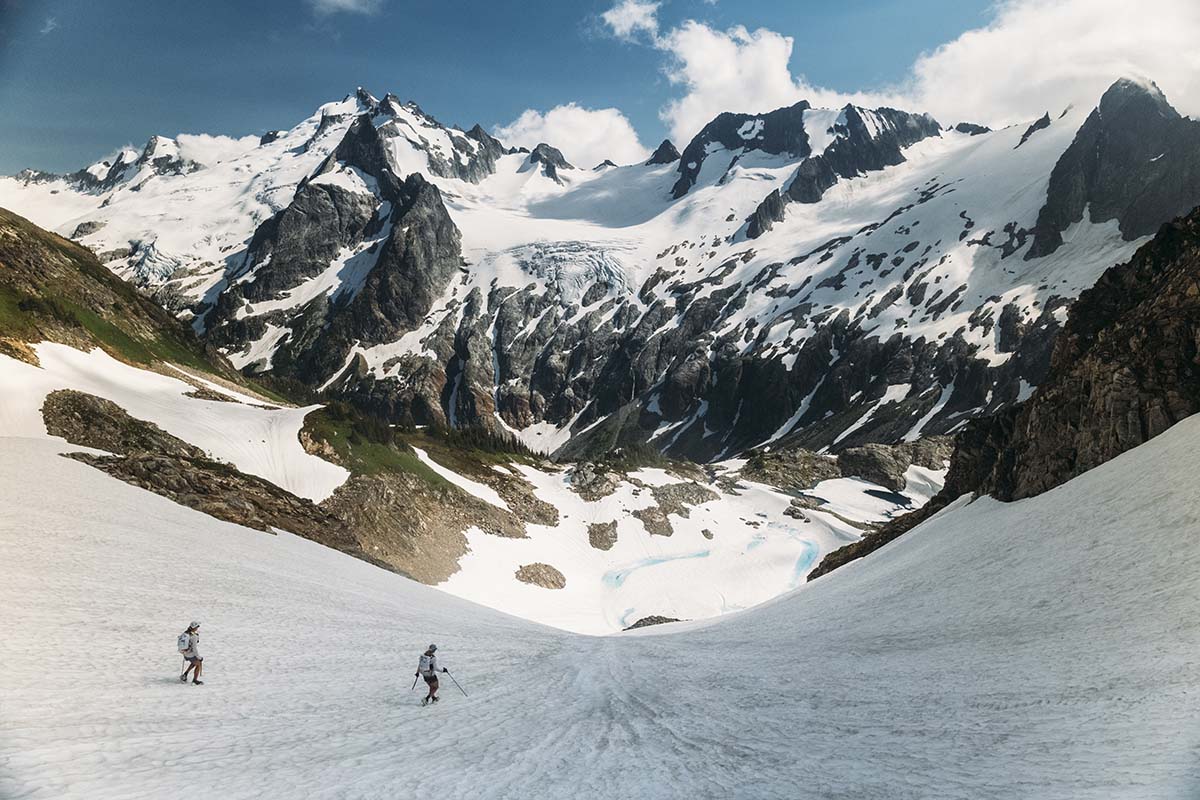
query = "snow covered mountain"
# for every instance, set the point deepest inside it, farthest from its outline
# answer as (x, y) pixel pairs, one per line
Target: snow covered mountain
(861, 275)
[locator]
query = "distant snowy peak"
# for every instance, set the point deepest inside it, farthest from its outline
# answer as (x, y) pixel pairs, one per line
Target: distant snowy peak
(550, 159)
(665, 153)
(862, 140)
(159, 156)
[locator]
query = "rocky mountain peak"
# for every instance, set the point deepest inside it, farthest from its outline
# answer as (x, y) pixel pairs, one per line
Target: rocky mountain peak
(665, 153)
(551, 159)
(367, 101)
(1135, 95)
(775, 133)
(1135, 160)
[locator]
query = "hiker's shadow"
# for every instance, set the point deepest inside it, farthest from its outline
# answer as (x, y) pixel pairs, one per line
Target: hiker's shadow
(160, 680)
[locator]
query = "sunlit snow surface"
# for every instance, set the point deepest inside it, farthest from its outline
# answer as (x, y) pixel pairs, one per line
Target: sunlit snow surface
(1042, 649)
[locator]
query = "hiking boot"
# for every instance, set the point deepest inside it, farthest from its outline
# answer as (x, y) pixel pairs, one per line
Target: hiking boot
(197, 683)
(435, 699)
(183, 678)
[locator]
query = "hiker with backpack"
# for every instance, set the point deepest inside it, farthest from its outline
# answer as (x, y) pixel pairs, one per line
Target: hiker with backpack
(427, 668)
(189, 647)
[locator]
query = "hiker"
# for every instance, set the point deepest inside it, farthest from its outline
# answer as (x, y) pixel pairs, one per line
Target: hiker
(427, 668)
(189, 647)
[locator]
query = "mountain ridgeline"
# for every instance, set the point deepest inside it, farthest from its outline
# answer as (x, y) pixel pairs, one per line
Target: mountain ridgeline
(822, 278)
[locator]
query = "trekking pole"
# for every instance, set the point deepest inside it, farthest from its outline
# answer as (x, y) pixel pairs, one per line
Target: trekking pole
(415, 682)
(456, 683)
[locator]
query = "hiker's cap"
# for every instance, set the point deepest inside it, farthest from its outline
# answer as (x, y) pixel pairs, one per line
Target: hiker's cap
(194, 625)
(432, 647)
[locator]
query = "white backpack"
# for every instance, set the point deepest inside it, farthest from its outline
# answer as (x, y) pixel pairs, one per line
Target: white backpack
(424, 665)
(184, 642)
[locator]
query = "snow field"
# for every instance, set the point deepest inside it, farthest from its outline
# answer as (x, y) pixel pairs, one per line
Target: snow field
(1039, 649)
(755, 552)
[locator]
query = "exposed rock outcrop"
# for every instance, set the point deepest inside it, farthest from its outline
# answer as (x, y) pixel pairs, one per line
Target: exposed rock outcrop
(885, 465)
(91, 421)
(602, 535)
(551, 160)
(543, 575)
(653, 619)
(791, 469)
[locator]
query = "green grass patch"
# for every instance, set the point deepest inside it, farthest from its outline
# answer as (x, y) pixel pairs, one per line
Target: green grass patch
(366, 445)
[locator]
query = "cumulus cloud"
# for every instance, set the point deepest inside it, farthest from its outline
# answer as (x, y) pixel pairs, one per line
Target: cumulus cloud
(585, 136)
(1040, 55)
(1034, 56)
(733, 70)
(629, 18)
(206, 149)
(352, 6)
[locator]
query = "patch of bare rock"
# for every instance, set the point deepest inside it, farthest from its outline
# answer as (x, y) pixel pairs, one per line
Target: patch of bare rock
(543, 575)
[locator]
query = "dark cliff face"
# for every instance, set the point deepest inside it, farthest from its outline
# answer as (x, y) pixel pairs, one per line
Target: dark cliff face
(1135, 160)
(867, 141)
(776, 132)
(407, 249)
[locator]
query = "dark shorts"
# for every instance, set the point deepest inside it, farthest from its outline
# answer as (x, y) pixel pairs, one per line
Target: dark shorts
(431, 679)
(193, 659)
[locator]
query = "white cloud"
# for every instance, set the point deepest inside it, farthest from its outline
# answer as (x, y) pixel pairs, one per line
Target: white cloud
(733, 70)
(1034, 56)
(51, 24)
(585, 136)
(1042, 55)
(205, 149)
(630, 17)
(352, 6)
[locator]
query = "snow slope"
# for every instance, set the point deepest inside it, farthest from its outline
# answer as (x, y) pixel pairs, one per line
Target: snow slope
(257, 440)
(1043, 649)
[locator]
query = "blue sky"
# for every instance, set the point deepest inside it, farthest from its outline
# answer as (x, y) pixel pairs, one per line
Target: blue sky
(598, 78)
(79, 78)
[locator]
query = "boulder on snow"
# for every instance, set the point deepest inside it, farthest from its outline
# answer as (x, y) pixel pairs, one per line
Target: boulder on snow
(602, 535)
(543, 575)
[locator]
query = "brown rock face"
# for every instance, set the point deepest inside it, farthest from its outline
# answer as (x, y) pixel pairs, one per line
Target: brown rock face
(602, 535)
(221, 491)
(91, 421)
(543, 575)
(793, 469)
(886, 464)
(1124, 369)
